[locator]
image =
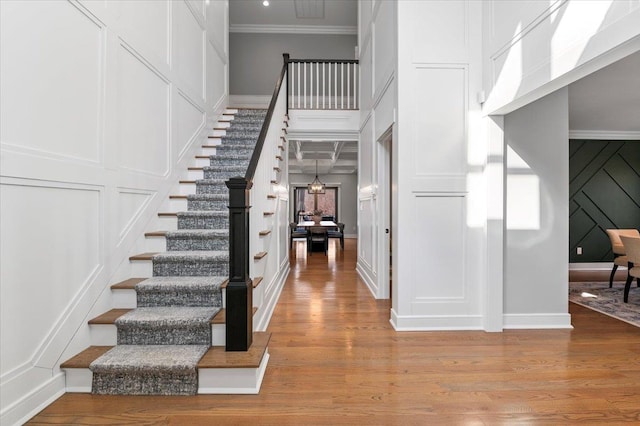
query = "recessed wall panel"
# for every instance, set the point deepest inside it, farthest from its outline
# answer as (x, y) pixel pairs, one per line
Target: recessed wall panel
(439, 120)
(190, 121)
(143, 116)
(215, 78)
(384, 44)
(189, 58)
(438, 30)
(438, 247)
(148, 22)
(51, 97)
(130, 205)
(49, 248)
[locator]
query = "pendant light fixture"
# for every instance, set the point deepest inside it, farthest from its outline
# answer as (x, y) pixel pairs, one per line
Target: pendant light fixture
(316, 187)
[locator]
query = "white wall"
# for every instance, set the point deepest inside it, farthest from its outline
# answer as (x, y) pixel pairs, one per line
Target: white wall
(532, 48)
(255, 59)
(102, 107)
(377, 40)
(347, 197)
(537, 213)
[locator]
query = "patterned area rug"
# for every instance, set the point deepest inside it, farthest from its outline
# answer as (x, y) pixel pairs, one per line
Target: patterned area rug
(609, 301)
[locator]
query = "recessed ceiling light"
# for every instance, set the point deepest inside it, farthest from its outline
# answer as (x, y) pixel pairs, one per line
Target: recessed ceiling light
(265, 3)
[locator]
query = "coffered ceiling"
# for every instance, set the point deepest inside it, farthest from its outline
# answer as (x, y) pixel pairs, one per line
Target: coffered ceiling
(334, 157)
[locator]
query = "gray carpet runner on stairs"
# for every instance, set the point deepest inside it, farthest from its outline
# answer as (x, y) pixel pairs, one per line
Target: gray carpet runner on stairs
(161, 341)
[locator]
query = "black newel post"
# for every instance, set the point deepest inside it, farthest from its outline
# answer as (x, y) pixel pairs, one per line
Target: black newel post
(239, 318)
(285, 56)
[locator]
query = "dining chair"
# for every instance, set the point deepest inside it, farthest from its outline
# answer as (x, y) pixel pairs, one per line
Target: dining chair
(337, 233)
(317, 236)
(296, 232)
(619, 258)
(632, 247)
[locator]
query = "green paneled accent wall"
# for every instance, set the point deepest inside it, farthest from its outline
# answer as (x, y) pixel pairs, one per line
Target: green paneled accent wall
(604, 192)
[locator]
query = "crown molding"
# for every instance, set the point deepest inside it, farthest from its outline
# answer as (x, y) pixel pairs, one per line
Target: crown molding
(293, 29)
(603, 135)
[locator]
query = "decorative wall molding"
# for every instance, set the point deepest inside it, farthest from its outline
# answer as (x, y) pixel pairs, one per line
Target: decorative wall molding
(604, 135)
(293, 29)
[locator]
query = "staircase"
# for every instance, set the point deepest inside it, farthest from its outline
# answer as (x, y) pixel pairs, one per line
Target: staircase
(168, 336)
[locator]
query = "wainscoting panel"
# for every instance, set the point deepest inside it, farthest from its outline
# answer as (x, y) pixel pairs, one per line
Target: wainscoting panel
(384, 42)
(143, 116)
(131, 204)
(439, 267)
(147, 25)
(189, 58)
(46, 259)
(443, 20)
(440, 105)
(604, 193)
(190, 121)
(50, 125)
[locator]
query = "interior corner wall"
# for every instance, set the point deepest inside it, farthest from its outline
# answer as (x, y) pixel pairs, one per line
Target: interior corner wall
(255, 60)
(537, 214)
(103, 106)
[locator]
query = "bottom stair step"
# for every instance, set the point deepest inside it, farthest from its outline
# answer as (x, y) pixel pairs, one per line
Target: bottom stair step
(218, 371)
(147, 370)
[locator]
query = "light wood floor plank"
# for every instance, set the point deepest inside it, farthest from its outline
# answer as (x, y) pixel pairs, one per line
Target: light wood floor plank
(335, 360)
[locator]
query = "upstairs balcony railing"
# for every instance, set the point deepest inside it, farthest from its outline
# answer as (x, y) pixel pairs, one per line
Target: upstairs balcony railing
(323, 83)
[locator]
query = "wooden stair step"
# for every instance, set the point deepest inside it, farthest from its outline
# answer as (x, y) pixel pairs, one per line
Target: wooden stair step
(271, 197)
(286, 123)
(188, 181)
(177, 197)
(274, 182)
(109, 317)
(279, 158)
(281, 147)
(283, 139)
(143, 256)
(264, 233)
(284, 129)
(86, 357)
(277, 169)
(221, 316)
(209, 146)
(129, 284)
(156, 234)
(195, 168)
(260, 255)
(202, 157)
(268, 213)
(168, 214)
(218, 357)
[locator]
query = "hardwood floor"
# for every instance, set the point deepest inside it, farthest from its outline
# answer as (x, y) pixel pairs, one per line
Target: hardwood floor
(336, 360)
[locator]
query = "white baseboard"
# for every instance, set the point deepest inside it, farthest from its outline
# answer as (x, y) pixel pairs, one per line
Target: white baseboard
(369, 281)
(593, 266)
(435, 322)
(249, 101)
(265, 311)
(537, 321)
(33, 402)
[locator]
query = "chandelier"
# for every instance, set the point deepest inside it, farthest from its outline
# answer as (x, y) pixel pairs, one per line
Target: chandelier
(316, 187)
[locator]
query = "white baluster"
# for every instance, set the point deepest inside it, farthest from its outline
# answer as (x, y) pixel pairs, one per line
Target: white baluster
(335, 88)
(324, 65)
(298, 85)
(304, 87)
(342, 86)
(348, 86)
(317, 84)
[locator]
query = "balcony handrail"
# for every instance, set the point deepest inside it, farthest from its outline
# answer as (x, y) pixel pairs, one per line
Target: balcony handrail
(326, 61)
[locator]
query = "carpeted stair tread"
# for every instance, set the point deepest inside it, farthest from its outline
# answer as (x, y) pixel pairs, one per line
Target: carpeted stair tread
(197, 233)
(178, 256)
(148, 370)
(166, 325)
(167, 316)
(208, 197)
(180, 291)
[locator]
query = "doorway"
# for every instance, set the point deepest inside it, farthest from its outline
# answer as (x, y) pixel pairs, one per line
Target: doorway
(385, 207)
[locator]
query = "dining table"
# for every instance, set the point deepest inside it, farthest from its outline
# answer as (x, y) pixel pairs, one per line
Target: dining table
(310, 223)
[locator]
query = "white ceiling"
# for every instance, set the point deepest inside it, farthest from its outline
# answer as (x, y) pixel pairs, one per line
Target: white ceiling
(332, 13)
(609, 99)
(334, 157)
